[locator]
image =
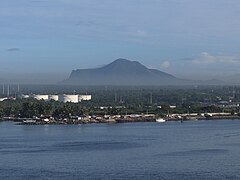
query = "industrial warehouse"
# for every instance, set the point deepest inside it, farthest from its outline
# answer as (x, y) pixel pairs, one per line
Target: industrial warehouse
(62, 98)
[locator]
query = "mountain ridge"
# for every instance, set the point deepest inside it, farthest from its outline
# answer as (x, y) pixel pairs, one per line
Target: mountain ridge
(124, 72)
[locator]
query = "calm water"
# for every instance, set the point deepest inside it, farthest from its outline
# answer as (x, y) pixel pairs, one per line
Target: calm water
(191, 150)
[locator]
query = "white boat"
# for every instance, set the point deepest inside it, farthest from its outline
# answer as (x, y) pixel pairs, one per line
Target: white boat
(160, 120)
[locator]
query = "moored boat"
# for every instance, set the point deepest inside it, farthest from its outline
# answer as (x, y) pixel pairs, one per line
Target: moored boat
(160, 120)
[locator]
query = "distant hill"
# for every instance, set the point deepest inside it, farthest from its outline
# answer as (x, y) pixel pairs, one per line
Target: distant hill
(233, 79)
(124, 72)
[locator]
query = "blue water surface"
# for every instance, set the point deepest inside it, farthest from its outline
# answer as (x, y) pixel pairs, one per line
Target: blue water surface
(173, 150)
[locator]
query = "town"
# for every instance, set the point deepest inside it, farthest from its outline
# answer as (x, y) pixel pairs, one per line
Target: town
(119, 104)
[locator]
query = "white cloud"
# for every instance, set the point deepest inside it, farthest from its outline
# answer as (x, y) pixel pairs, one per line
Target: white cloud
(136, 33)
(165, 64)
(140, 33)
(206, 58)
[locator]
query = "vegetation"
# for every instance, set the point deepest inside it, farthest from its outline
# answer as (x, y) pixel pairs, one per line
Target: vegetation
(124, 100)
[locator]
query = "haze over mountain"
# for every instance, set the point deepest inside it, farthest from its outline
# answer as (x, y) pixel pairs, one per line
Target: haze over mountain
(31, 78)
(233, 79)
(126, 72)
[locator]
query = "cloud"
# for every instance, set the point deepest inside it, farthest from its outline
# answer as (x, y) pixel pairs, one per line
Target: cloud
(39, 1)
(206, 58)
(13, 49)
(165, 64)
(137, 33)
(140, 33)
(87, 23)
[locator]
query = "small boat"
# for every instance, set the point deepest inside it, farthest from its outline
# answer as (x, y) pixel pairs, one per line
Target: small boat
(160, 120)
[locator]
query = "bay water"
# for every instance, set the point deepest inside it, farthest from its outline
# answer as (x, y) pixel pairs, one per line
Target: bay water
(171, 150)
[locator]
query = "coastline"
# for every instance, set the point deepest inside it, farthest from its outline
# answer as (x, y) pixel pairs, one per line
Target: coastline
(30, 121)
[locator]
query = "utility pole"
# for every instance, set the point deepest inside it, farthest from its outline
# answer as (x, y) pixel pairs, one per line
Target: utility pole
(3, 89)
(115, 97)
(121, 99)
(151, 99)
(234, 92)
(189, 108)
(8, 91)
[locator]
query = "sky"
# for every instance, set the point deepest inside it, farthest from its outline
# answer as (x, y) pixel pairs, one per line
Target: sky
(195, 39)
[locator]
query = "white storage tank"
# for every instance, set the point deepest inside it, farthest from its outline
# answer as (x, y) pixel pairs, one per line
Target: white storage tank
(2, 99)
(53, 97)
(68, 98)
(25, 96)
(40, 97)
(84, 98)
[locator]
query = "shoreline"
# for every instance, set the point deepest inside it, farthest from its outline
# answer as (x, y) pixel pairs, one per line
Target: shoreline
(114, 121)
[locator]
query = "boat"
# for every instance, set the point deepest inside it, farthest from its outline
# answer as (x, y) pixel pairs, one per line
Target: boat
(160, 120)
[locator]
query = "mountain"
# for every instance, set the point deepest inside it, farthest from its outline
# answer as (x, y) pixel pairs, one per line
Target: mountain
(232, 79)
(124, 72)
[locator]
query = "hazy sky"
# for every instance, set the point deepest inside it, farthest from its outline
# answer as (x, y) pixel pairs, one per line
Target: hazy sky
(196, 38)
